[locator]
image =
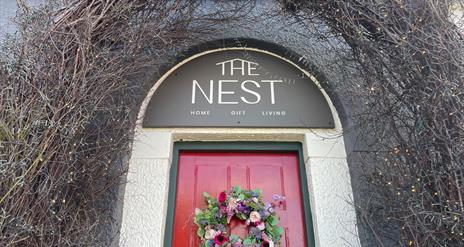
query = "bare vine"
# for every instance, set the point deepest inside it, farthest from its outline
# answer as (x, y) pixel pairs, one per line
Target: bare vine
(409, 58)
(68, 99)
(68, 94)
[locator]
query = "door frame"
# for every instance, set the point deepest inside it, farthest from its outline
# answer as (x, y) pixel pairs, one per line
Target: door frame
(237, 146)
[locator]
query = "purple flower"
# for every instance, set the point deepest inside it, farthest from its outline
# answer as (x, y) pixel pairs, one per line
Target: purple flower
(221, 228)
(218, 215)
(254, 231)
(263, 214)
(242, 208)
(269, 208)
(278, 198)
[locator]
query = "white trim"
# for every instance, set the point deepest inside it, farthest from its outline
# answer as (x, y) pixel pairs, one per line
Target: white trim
(145, 198)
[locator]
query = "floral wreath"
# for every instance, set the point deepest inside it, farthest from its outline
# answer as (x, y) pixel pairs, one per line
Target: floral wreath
(247, 205)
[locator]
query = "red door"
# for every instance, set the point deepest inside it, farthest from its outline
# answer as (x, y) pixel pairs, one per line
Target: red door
(213, 172)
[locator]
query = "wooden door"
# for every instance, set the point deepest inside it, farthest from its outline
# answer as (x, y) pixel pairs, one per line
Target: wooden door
(213, 172)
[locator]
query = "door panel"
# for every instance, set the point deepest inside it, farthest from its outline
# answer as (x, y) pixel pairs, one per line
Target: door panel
(213, 172)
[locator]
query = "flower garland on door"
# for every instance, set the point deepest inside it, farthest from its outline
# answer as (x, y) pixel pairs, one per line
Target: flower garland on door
(247, 205)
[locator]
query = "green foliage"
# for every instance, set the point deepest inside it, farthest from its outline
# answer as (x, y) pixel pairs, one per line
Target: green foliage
(247, 205)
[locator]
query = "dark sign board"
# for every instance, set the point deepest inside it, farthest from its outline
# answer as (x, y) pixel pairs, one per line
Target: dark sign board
(238, 88)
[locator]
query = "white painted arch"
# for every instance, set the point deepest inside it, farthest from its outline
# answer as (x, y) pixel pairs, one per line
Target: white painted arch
(145, 198)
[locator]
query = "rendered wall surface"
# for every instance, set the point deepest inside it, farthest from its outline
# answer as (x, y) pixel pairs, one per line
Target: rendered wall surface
(146, 192)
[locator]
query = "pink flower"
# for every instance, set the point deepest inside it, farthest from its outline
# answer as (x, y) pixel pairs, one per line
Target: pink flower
(261, 226)
(265, 237)
(232, 205)
(211, 234)
(255, 217)
(222, 197)
(229, 218)
(220, 239)
(222, 209)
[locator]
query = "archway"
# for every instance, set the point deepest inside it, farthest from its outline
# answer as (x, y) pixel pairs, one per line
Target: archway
(148, 193)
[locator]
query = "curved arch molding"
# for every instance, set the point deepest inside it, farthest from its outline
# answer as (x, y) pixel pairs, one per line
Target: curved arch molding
(238, 87)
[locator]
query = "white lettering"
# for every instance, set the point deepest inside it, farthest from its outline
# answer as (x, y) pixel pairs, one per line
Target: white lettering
(251, 68)
(271, 84)
(223, 68)
(258, 96)
(241, 68)
(273, 113)
(238, 113)
(195, 84)
(221, 92)
(229, 87)
(200, 113)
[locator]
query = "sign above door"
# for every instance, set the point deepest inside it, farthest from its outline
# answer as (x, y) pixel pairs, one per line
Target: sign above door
(238, 88)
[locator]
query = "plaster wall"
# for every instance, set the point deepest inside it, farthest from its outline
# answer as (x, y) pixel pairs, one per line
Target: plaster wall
(145, 199)
(329, 183)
